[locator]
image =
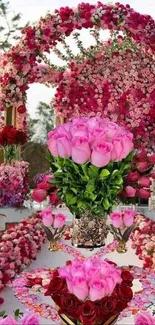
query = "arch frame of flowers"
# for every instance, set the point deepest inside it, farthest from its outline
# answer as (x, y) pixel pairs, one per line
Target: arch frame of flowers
(22, 66)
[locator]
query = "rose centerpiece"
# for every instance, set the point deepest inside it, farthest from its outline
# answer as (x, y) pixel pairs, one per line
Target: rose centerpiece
(89, 158)
(90, 292)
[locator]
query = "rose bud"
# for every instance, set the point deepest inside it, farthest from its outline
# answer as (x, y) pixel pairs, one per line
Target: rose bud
(151, 159)
(133, 176)
(142, 166)
(152, 174)
(144, 181)
(130, 191)
(141, 156)
(144, 194)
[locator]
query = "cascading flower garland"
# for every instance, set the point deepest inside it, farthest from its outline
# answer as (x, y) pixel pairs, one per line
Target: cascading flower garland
(21, 65)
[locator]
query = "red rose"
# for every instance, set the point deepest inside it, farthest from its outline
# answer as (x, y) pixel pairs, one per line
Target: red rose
(126, 276)
(108, 305)
(124, 293)
(69, 305)
(88, 313)
(121, 305)
(56, 285)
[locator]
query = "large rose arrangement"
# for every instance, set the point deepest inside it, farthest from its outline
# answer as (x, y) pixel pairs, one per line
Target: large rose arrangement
(14, 183)
(90, 291)
(89, 157)
(21, 65)
(19, 246)
(143, 240)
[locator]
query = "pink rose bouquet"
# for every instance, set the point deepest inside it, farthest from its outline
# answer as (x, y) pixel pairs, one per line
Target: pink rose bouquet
(89, 158)
(90, 291)
(122, 224)
(53, 224)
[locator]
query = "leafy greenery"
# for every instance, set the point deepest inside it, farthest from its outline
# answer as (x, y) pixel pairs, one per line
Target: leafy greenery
(87, 187)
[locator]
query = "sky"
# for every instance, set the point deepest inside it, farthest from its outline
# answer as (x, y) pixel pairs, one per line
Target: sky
(32, 10)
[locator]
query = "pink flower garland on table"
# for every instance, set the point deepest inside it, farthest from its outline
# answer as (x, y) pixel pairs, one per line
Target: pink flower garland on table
(14, 183)
(143, 240)
(19, 246)
(20, 64)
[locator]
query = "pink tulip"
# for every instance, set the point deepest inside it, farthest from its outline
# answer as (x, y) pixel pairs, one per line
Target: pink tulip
(116, 219)
(144, 318)
(30, 319)
(47, 217)
(80, 287)
(144, 181)
(51, 144)
(80, 150)
(128, 217)
(63, 146)
(59, 220)
(101, 154)
(9, 320)
(144, 194)
(39, 195)
(142, 166)
(97, 289)
(130, 191)
(151, 159)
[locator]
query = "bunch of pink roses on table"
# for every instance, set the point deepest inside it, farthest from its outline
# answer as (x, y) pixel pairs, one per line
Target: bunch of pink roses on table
(143, 240)
(90, 291)
(122, 224)
(54, 224)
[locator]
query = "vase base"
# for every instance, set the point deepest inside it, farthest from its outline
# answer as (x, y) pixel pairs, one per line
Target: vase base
(88, 246)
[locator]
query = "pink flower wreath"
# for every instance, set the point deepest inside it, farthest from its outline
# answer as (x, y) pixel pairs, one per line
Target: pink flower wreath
(120, 96)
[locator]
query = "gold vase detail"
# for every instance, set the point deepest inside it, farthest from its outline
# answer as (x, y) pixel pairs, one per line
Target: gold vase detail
(121, 248)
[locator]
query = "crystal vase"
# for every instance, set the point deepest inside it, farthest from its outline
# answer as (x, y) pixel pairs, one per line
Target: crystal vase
(89, 231)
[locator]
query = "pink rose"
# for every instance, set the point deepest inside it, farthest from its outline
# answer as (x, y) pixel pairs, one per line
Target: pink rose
(47, 217)
(30, 319)
(97, 289)
(152, 159)
(128, 217)
(144, 181)
(101, 154)
(116, 219)
(152, 174)
(39, 195)
(9, 320)
(61, 130)
(144, 318)
(79, 129)
(93, 122)
(51, 144)
(130, 191)
(92, 272)
(133, 176)
(127, 145)
(64, 272)
(117, 149)
(77, 268)
(112, 130)
(64, 146)
(144, 194)
(105, 269)
(80, 150)
(142, 166)
(96, 135)
(59, 220)
(80, 287)
(110, 285)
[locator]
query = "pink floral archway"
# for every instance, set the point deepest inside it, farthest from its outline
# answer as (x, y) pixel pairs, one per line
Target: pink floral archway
(22, 65)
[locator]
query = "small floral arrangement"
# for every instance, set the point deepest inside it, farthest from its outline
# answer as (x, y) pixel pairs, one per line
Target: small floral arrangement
(143, 240)
(90, 291)
(89, 157)
(14, 183)
(45, 189)
(144, 318)
(54, 224)
(138, 180)
(122, 224)
(19, 246)
(19, 319)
